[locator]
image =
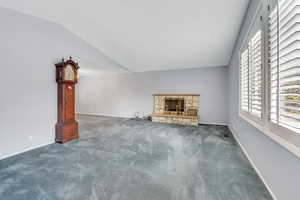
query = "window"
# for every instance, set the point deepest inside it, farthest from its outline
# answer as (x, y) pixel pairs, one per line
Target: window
(285, 65)
(255, 69)
(270, 72)
(251, 76)
(245, 80)
(251, 72)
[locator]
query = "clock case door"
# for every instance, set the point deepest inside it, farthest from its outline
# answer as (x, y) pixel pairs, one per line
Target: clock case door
(66, 126)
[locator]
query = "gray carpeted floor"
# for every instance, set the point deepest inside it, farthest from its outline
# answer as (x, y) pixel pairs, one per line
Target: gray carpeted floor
(124, 159)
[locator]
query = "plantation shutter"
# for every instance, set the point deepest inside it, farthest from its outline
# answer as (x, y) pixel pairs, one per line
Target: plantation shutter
(284, 64)
(273, 65)
(255, 74)
(245, 80)
(251, 71)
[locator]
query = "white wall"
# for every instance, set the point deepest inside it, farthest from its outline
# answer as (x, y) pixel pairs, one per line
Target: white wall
(29, 47)
(280, 169)
(125, 94)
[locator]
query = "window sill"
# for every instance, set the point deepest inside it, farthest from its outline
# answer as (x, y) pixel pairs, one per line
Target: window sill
(252, 122)
(280, 140)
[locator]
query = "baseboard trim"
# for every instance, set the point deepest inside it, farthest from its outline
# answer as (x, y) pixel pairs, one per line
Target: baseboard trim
(212, 123)
(252, 162)
(105, 115)
(25, 150)
(128, 116)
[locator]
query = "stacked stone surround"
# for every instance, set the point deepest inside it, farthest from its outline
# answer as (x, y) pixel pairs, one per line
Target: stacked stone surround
(190, 101)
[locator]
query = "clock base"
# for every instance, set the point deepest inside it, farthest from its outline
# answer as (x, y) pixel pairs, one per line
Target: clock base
(66, 131)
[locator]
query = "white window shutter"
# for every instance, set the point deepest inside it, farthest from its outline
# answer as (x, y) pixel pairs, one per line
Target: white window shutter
(245, 80)
(273, 66)
(255, 77)
(284, 59)
(251, 76)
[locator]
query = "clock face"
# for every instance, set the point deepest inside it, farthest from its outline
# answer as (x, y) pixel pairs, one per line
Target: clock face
(69, 73)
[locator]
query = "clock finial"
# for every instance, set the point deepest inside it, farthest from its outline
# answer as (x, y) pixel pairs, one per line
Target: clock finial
(70, 57)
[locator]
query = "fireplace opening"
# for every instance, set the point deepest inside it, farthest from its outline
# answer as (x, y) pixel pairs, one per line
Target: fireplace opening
(174, 105)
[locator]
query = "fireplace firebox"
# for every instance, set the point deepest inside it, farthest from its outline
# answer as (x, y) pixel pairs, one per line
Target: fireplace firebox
(174, 105)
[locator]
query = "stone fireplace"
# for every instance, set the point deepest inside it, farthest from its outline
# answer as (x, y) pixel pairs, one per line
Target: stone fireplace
(176, 108)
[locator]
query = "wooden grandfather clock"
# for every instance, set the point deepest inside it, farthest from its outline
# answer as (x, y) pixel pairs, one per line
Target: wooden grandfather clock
(66, 77)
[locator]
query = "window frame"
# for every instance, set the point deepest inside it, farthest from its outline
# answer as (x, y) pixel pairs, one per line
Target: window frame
(282, 135)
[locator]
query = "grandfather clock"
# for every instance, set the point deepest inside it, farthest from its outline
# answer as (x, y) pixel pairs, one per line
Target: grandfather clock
(66, 77)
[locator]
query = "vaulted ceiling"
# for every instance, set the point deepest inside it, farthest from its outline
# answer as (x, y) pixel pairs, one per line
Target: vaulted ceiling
(145, 35)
